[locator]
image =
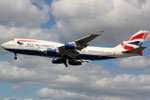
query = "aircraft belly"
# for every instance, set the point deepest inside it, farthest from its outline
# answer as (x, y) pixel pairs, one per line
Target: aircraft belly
(93, 57)
(84, 56)
(31, 52)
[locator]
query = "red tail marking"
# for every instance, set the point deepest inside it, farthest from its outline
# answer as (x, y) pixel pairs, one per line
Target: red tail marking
(145, 35)
(127, 47)
(140, 53)
(139, 36)
(128, 39)
(122, 44)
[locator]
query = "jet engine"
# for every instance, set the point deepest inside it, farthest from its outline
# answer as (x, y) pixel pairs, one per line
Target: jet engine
(70, 46)
(50, 51)
(74, 62)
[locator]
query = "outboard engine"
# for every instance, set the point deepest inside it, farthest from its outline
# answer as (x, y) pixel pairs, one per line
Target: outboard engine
(70, 46)
(57, 61)
(74, 62)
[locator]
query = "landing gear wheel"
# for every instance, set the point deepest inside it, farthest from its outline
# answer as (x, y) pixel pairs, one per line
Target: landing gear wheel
(15, 58)
(66, 65)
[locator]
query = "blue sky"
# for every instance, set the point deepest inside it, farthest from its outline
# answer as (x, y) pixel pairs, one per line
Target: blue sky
(6, 87)
(32, 78)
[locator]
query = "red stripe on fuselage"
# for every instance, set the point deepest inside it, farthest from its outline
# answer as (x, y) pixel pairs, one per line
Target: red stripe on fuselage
(27, 41)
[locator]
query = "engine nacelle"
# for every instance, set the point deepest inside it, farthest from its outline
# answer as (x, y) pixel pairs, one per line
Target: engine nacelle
(50, 51)
(57, 61)
(70, 46)
(73, 62)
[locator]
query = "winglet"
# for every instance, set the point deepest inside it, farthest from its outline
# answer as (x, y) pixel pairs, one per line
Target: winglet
(100, 32)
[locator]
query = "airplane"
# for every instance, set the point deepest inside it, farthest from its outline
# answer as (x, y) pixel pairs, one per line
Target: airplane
(79, 51)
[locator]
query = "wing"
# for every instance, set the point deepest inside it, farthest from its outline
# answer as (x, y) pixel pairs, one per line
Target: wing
(83, 42)
(72, 49)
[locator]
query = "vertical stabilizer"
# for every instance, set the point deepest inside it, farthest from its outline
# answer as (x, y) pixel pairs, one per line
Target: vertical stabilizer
(135, 41)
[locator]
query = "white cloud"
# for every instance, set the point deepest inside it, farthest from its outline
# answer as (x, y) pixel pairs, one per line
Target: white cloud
(119, 19)
(139, 63)
(12, 73)
(58, 94)
(51, 94)
(67, 79)
(36, 33)
(87, 82)
(1, 98)
(120, 84)
(22, 13)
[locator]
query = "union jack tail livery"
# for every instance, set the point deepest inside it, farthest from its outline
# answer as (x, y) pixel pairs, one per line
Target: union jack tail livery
(134, 42)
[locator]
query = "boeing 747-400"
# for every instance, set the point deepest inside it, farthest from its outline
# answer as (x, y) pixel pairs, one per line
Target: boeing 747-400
(77, 52)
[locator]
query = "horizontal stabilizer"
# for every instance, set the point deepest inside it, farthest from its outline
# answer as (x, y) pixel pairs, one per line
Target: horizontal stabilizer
(137, 50)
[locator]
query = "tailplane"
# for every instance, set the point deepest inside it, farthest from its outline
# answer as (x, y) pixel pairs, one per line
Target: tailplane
(133, 43)
(136, 51)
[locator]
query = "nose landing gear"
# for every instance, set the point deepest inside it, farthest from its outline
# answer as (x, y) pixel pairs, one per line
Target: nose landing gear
(15, 56)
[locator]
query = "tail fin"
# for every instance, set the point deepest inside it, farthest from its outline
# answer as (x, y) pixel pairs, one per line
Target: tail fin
(134, 42)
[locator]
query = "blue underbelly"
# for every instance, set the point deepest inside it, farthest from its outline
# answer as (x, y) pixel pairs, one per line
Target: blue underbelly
(32, 52)
(93, 57)
(39, 53)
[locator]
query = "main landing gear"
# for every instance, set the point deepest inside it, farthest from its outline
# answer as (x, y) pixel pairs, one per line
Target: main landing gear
(15, 56)
(65, 61)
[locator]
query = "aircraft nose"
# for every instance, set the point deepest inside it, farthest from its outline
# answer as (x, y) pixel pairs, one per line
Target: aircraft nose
(3, 45)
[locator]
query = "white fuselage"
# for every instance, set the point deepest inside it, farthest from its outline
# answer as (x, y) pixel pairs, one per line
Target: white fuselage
(38, 47)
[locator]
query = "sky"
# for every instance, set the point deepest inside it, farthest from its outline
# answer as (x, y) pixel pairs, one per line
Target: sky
(36, 78)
